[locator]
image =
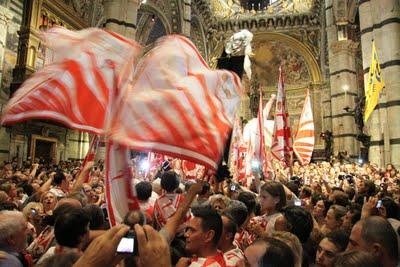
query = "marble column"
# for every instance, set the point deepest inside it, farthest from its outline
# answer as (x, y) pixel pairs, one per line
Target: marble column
(5, 17)
(379, 21)
(121, 16)
(343, 84)
(187, 17)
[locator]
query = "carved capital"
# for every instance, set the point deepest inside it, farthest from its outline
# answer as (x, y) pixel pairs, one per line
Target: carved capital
(5, 15)
(344, 46)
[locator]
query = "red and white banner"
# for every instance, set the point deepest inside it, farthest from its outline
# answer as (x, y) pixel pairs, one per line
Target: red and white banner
(120, 191)
(177, 105)
(78, 88)
(282, 144)
(304, 141)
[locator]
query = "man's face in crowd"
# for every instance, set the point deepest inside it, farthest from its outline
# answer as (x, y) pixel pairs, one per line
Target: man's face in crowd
(331, 221)
(326, 253)
(355, 241)
(347, 224)
(49, 201)
(195, 237)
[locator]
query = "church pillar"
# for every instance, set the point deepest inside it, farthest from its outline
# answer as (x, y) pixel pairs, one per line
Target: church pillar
(121, 16)
(379, 21)
(5, 17)
(343, 80)
(187, 17)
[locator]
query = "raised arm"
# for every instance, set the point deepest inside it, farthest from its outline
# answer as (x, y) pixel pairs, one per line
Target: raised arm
(172, 223)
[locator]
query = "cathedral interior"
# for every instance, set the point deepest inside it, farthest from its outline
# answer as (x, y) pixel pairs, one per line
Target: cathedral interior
(323, 45)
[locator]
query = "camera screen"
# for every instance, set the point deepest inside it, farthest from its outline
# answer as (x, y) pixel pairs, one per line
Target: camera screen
(126, 245)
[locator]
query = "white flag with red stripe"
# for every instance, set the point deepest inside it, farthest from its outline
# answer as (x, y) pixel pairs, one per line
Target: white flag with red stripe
(78, 88)
(120, 191)
(268, 126)
(304, 140)
(177, 105)
(282, 144)
(259, 150)
(90, 154)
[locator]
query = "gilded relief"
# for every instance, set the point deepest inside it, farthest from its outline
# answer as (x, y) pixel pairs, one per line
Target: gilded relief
(224, 9)
(269, 55)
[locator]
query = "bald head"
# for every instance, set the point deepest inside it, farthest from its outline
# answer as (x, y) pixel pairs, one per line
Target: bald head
(374, 235)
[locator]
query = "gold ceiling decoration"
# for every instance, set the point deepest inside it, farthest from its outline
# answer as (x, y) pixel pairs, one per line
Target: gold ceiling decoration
(225, 9)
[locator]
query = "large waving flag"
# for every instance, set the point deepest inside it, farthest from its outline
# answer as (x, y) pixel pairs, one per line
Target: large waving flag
(78, 88)
(304, 140)
(177, 105)
(282, 145)
(120, 192)
(374, 85)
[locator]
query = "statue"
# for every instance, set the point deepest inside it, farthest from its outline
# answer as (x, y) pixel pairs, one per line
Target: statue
(328, 138)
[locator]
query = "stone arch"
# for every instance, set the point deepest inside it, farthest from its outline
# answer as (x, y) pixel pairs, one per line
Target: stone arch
(302, 49)
(147, 13)
(344, 10)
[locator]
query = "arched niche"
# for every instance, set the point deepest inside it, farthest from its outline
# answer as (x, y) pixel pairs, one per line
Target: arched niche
(198, 37)
(152, 24)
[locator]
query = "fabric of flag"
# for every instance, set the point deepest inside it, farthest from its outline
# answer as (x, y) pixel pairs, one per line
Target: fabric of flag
(90, 154)
(177, 105)
(259, 151)
(374, 85)
(120, 192)
(78, 88)
(236, 142)
(304, 140)
(268, 124)
(282, 145)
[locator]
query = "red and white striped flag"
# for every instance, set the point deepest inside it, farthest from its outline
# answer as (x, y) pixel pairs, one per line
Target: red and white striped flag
(90, 155)
(177, 105)
(304, 140)
(234, 153)
(282, 144)
(120, 191)
(79, 87)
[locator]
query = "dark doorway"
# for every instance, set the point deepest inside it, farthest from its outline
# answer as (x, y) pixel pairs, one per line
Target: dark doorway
(44, 150)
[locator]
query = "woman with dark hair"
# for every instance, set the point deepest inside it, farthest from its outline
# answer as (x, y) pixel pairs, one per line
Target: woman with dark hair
(356, 258)
(320, 210)
(272, 200)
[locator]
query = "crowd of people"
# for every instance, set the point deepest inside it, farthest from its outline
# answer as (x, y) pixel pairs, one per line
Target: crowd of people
(323, 214)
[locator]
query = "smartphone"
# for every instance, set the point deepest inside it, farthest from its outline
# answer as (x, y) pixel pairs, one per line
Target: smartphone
(34, 212)
(233, 187)
(379, 204)
(297, 202)
(128, 244)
